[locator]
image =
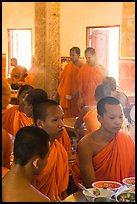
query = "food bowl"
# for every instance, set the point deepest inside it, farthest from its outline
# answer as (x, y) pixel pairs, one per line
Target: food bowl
(98, 193)
(129, 181)
(103, 199)
(126, 197)
(113, 185)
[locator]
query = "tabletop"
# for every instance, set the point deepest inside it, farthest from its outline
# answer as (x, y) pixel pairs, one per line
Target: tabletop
(76, 197)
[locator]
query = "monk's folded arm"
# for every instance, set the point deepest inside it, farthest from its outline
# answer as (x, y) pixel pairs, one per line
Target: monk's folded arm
(85, 163)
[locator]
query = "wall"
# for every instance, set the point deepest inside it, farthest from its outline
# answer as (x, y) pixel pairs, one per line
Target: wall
(76, 16)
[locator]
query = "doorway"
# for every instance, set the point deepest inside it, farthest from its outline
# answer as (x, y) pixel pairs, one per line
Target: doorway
(105, 40)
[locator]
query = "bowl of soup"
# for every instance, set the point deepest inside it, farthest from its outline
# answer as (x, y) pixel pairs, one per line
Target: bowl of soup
(113, 185)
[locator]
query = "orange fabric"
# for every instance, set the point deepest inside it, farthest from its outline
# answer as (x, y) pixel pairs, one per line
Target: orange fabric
(4, 171)
(7, 148)
(115, 162)
(65, 141)
(13, 119)
(30, 78)
(69, 85)
(89, 78)
(54, 178)
(91, 120)
(6, 95)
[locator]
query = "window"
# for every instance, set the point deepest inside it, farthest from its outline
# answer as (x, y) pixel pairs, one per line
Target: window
(19, 47)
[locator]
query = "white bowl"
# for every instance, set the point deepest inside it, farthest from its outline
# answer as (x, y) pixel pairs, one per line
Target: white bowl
(129, 181)
(113, 185)
(103, 193)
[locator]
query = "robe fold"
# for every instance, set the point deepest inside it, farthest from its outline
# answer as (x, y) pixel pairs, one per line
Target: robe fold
(53, 180)
(89, 79)
(115, 162)
(7, 148)
(69, 87)
(13, 119)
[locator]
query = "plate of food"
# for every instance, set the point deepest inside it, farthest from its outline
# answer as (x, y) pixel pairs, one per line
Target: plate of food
(113, 185)
(129, 181)
(126, 197)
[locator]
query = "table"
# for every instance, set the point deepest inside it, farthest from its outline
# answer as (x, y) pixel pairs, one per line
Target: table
(76, 197)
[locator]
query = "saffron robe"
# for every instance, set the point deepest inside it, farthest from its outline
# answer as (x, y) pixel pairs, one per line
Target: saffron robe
(115, 162)
(69, 86)
(13, 119)
(6, 94)
(4, 171)
(7, 148)
(53, 180)
(89, 79)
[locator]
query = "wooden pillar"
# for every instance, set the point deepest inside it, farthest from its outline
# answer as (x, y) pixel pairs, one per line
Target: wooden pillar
(47, 46)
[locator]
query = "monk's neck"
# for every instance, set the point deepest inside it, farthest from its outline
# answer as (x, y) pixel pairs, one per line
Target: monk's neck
(105, 135)
(23, 172)
(78, 64)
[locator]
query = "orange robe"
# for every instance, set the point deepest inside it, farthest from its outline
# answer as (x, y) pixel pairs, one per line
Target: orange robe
(69, 85)
(30, 78)
(6, 94)
(66, 141)
(89, 79)
(4, 171)
(54, 178)
(93, 124)
(13, 119)
(7, 148)
(91, 120)
(115, 162)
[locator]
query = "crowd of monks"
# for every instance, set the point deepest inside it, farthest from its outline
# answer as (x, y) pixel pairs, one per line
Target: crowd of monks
(106, 152)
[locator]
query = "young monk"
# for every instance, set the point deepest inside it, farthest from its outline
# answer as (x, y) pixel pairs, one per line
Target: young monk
(31, 151)
(108, 153)
(55, 176)
(35, 97)
(88, 114)
(89, 79)
(68, 88)
(13, 118)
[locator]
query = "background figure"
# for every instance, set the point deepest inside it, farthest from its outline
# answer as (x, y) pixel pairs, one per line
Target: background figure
(6, 94)
(18, 73)
(89, 78)
(30, 77)
(31, 150)
(121, 96)
(68, 89)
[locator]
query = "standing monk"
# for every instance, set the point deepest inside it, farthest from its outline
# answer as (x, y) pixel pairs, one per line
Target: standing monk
(90, 78)
(68, 88)
(108, 153)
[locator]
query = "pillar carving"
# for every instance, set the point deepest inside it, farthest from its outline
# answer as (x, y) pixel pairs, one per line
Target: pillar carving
(47, 46)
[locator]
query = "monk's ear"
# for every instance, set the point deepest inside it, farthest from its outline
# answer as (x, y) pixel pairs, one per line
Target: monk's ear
(99, 117)
(39, 123)
(35, 162)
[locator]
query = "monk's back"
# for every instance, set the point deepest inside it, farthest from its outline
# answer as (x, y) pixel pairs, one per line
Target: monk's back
(16, 189)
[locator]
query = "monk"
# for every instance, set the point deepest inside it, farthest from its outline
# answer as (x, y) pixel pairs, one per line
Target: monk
(88, 115)
(18, 72)
(35, 97)
(89, 79)
(6, 94)
(17, 186)
(68, 88)
(108, 153)
(14, 118)
(55, 176)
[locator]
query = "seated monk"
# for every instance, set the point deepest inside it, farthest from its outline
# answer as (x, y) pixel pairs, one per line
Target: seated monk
(89, 78)
(7, 148)
(31, 150)
(13, 118)
(108, 153)
(68, 89)
(35, 97)
(53, 180)
(30, 77)
(88, 114)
